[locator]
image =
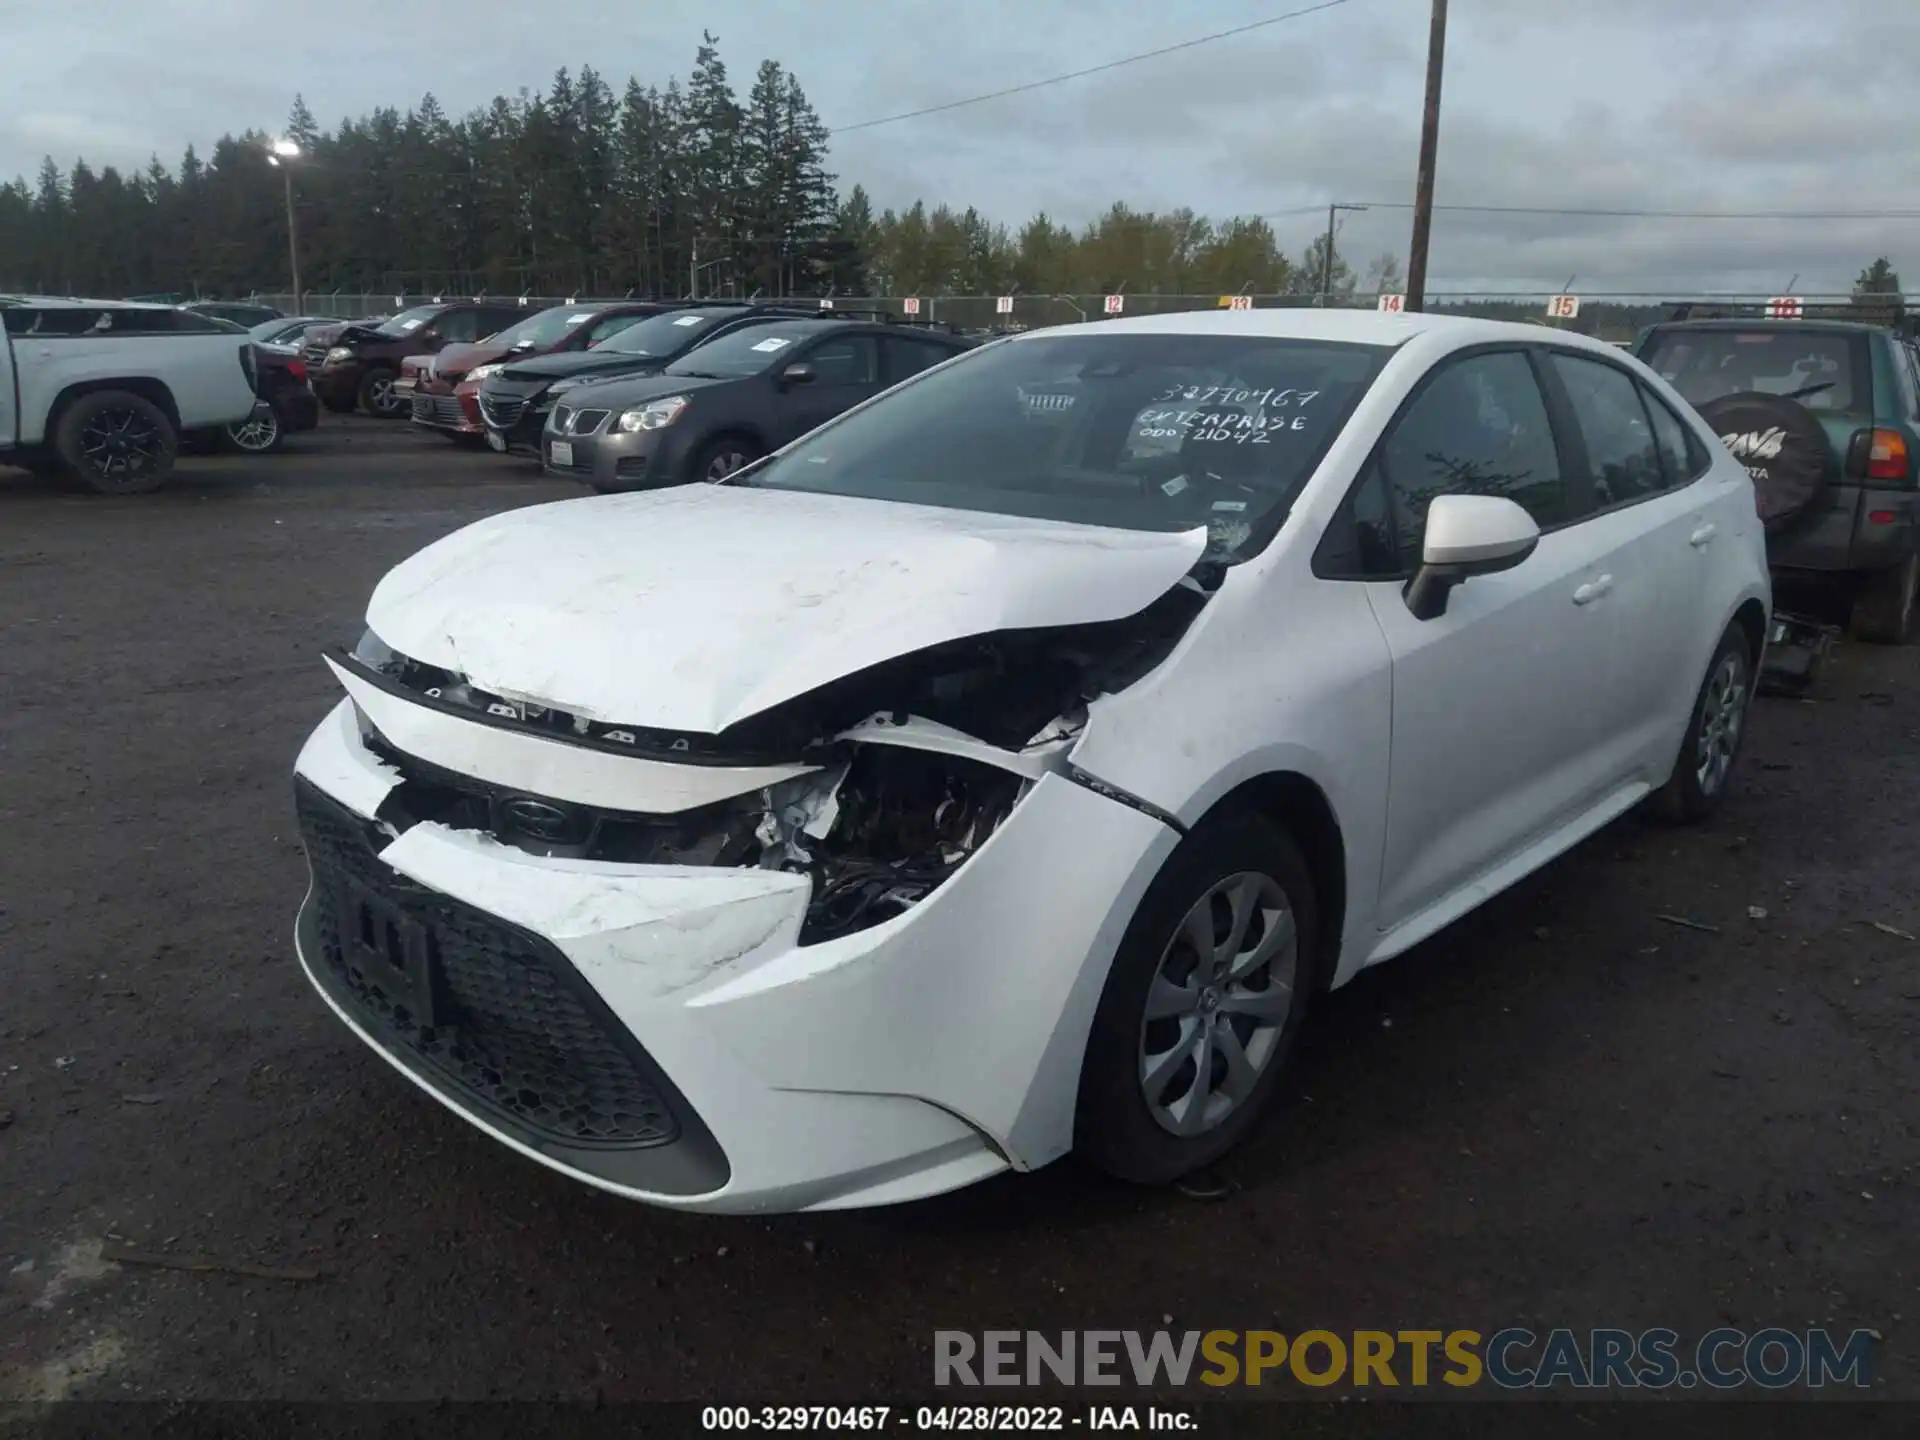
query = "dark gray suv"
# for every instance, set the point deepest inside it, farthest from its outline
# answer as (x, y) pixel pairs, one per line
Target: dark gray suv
(1825, 414)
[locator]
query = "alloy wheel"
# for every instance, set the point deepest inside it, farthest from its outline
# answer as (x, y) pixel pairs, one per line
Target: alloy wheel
(1723, 715)
(121, 446)
(1217, 1004)
(725, 463)
(258, 432)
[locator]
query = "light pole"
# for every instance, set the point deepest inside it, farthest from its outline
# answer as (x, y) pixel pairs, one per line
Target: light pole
(1326, 256)
(281, 154)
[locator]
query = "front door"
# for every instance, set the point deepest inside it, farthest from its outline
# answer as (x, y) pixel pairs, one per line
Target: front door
(846, 370)
(1494, 701)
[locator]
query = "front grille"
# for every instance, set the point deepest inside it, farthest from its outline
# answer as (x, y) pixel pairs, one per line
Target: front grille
(630, 467)
(438, 410)
(313, 355)
(511, 1027)
(569, 421)
(502, 411)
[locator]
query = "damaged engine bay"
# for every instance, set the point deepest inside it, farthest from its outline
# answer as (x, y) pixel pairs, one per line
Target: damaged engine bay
(919, 760)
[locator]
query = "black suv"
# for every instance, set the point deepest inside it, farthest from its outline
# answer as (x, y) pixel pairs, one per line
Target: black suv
(740, 395)
(1824, 411)
(514, 402)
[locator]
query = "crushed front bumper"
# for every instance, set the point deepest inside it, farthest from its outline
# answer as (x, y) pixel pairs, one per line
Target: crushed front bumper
(660, 1032)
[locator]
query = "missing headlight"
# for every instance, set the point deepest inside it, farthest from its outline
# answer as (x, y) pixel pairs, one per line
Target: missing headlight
(901, 822)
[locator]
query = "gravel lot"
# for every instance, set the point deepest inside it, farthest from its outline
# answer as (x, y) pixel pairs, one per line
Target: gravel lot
(1564, 1111)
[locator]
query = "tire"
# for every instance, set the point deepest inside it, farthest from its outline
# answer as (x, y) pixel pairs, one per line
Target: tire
(1784, 448)
(1883, 610)
(261, 433)
(1718, 722)
(376, 395)
(723, 455)
(1117, 1128)
(116, 443)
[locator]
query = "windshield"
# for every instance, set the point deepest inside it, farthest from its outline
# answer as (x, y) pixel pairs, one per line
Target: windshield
(746, 351)
(661, 335)
(1823, 371)
(1140, 432)
(408, 321)
(538, 332)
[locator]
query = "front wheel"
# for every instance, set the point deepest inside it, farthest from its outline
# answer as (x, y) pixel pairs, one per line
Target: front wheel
(378, 397)
(1712, 742)
(116, 442)
(259, 434)
(1206, 997)
(721, 457)
(1883, 610)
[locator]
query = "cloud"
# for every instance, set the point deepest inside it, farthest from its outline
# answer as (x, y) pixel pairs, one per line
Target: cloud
(1628, 105)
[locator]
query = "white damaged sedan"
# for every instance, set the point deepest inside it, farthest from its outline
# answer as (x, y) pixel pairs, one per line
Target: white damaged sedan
(1001, 769)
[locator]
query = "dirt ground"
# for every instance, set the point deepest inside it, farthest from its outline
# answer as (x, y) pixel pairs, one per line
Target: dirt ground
(1567, 1110)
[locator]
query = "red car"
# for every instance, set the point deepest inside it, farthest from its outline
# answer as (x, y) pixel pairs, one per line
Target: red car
(444, 387)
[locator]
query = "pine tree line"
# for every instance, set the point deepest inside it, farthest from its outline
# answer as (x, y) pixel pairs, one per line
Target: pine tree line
(651, 190)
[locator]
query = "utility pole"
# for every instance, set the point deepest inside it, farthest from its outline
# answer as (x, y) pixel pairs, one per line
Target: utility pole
(693, 269)
(1429, 157)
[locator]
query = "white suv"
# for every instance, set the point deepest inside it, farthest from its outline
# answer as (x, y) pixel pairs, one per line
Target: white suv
(973, 781)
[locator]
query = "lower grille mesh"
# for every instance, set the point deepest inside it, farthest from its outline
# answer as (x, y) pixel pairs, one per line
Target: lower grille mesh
(515, 1028)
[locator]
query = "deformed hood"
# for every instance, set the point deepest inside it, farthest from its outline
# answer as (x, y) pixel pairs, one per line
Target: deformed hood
(693, 608)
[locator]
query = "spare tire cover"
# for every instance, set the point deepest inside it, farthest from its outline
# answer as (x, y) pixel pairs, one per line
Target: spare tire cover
(1783, 447)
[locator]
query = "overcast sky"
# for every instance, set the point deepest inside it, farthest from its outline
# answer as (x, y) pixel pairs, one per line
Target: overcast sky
(1697, 105)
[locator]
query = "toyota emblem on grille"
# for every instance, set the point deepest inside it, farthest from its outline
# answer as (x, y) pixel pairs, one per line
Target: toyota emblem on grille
(538, 819)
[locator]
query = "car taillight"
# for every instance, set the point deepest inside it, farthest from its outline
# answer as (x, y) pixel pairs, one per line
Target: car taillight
(1887, 457)
(1881, 517)
(297, 370)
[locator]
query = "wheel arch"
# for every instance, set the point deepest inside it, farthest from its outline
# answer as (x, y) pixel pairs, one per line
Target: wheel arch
(1751, 617)
(1297, 803)
(146, 387)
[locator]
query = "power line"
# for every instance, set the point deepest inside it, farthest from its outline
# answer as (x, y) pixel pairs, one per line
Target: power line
(1090, 70)
(1619, 214)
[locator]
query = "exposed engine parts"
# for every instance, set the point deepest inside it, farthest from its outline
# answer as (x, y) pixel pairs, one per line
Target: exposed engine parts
(918, 761)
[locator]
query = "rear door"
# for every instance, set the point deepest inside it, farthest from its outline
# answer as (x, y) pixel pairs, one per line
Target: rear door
(1655, 527)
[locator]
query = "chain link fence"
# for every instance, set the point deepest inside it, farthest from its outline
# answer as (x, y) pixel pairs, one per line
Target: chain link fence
(1612, 317)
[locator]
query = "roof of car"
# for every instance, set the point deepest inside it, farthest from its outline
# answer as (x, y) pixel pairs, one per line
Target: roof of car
(76, 302)
(1786, 326)
(1360, 327)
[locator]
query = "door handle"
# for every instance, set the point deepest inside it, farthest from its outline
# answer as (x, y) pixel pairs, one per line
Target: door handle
(1593, 590)
(1700, 537)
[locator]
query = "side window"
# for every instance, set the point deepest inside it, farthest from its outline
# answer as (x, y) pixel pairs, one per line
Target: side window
(462, 327)
(909, 357)
(610, 325)
(1907, 378)
(1620, 445)
(1479, 428)
(1681, 451)
(846, 360)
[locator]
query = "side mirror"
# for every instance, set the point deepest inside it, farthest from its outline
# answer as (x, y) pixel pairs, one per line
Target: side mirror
(1467, 535)
(798, 373)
